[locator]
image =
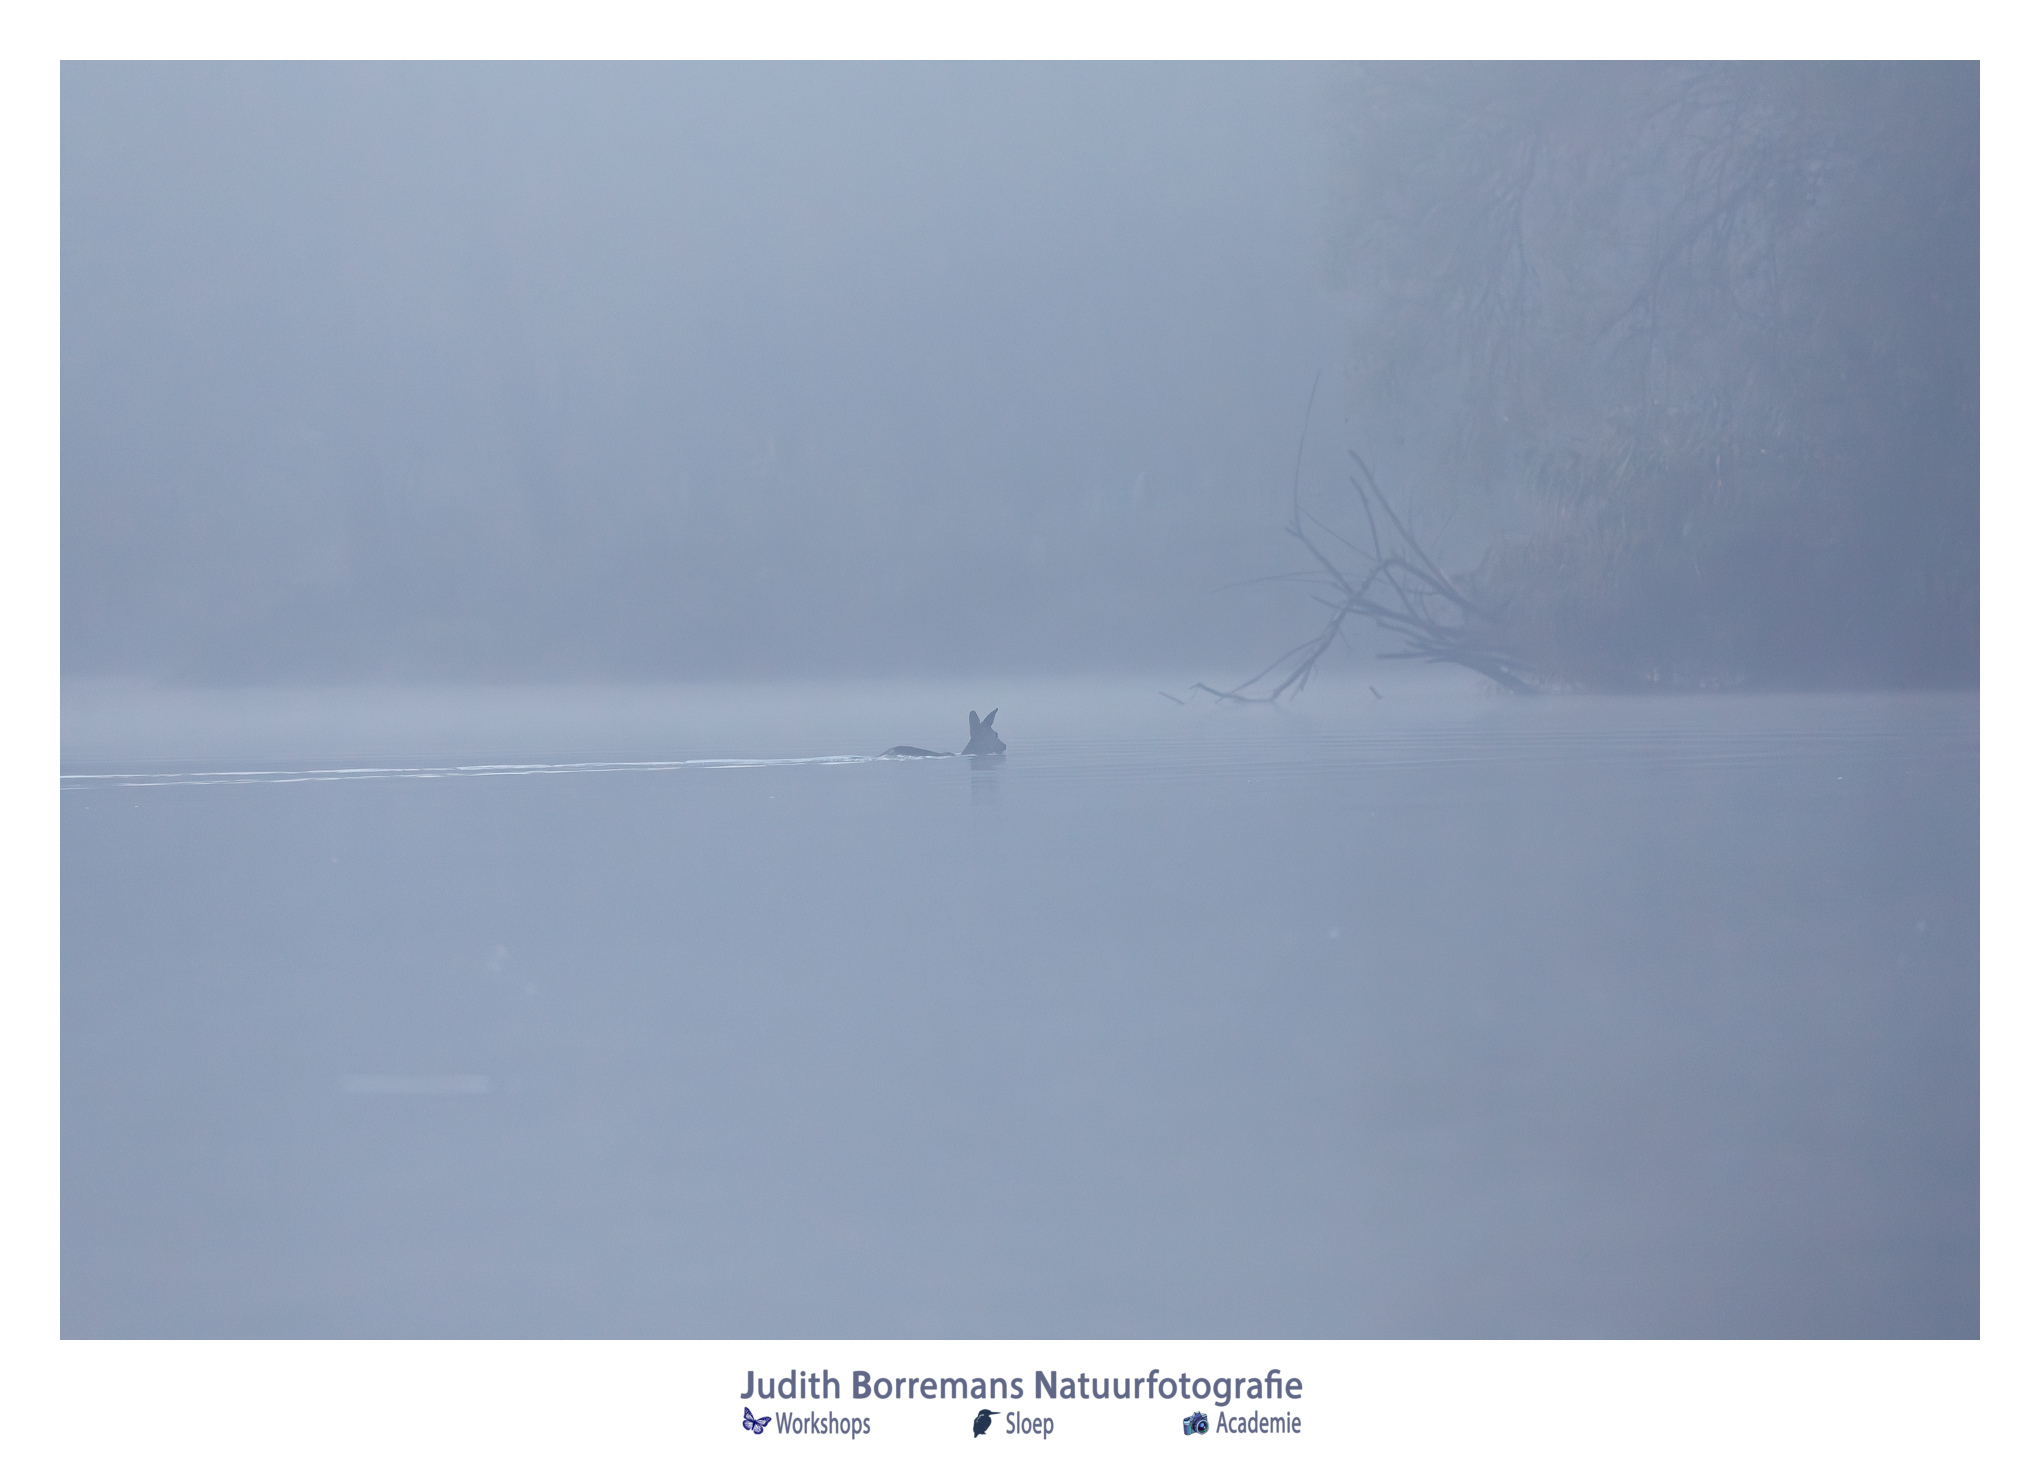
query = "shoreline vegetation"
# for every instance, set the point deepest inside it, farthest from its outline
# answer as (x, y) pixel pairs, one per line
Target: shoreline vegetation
(1626, 603)
(1696, 343)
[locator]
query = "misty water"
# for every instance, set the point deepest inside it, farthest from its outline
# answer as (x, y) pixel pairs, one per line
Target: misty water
(631, 1012)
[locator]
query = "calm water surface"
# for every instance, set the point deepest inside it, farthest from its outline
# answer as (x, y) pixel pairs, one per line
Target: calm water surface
(1428, 1014)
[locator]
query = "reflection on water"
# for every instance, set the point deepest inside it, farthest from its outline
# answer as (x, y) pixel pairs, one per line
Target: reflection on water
(984, 779)
(1438, 1014)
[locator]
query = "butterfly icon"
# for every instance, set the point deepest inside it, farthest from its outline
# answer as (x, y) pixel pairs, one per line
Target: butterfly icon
(757, 1425)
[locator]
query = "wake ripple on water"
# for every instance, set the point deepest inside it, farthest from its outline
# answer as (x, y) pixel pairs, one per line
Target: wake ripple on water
(77, 782)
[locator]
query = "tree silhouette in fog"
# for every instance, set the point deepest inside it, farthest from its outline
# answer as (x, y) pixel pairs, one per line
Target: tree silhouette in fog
(1701, 339)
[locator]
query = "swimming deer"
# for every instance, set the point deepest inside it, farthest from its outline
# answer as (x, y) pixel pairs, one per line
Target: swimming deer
(984, 740)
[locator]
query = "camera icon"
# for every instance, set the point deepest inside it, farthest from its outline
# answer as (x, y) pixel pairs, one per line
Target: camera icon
(1195, 1424)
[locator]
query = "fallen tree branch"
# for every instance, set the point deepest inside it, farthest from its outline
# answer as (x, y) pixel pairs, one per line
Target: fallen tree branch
(1397, 586)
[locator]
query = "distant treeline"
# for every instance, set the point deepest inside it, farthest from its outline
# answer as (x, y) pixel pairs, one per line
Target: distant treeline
(1711, 330)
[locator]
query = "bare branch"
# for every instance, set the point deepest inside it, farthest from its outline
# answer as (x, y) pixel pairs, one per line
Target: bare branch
(1436, 619)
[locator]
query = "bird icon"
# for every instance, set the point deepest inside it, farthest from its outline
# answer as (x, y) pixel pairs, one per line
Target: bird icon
(980, 1424)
